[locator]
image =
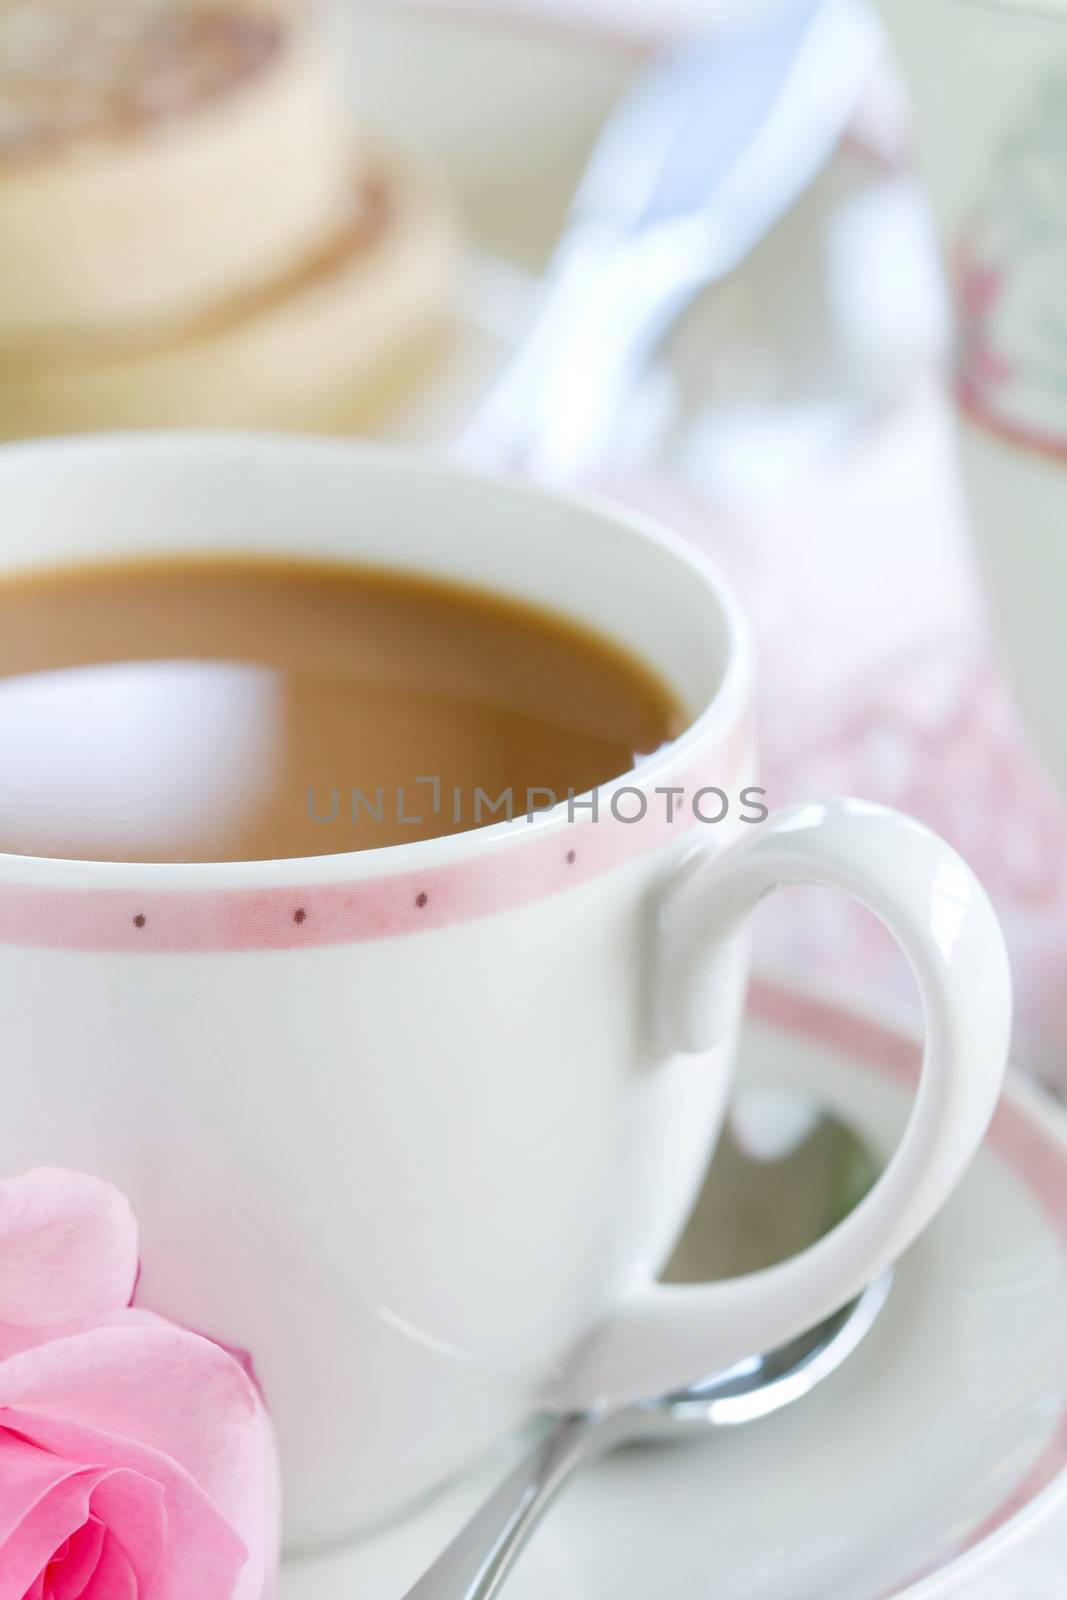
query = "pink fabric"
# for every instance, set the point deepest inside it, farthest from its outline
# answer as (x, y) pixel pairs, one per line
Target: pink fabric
(137, 1461)
(68, 1249)
(879, 678)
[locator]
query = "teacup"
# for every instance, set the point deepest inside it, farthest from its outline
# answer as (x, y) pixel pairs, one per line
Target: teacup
(417, 1126)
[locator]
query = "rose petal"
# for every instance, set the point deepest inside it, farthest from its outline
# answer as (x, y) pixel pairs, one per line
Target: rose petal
(146, 1380)
(204, 1555)
(13, 1341)
(140, 1378)
(130, 1507)
(127, 1508)
(27, 1477)
(115, 1577)
(44, 1500)
(49, 1502)
(70, 1576)
(68, 1248)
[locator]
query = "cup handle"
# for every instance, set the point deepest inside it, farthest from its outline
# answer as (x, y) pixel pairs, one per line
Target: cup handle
(665, 1336)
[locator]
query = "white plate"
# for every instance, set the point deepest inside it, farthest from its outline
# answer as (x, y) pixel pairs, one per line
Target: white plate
(936, 1462)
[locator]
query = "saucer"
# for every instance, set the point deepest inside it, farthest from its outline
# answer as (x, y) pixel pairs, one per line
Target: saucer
(935, 1459)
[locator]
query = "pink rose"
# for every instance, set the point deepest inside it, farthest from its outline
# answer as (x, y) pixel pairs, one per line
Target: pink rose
(137, 1461)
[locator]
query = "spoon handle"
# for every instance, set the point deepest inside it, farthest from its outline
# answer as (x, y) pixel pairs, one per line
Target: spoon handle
(479, 1558)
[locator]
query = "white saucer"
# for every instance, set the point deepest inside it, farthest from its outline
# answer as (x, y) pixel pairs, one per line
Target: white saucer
(926, 1467)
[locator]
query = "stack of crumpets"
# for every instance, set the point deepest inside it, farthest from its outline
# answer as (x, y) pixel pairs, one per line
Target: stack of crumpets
(191, 231)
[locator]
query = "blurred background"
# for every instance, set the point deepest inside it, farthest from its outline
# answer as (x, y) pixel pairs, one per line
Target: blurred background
(347, 218)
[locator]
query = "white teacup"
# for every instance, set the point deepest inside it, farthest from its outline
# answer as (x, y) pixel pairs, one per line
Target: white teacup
(418, 1126)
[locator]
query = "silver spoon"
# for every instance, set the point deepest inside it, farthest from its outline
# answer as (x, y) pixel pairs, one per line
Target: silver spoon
(708, 150)
(786, 1171)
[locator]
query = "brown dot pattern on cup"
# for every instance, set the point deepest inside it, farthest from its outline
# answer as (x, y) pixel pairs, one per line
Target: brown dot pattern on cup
(300, 914)
(421, 899)
(572, 856)
(139, 920)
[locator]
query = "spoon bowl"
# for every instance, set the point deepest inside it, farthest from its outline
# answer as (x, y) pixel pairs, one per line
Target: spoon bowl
(762, 1384)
